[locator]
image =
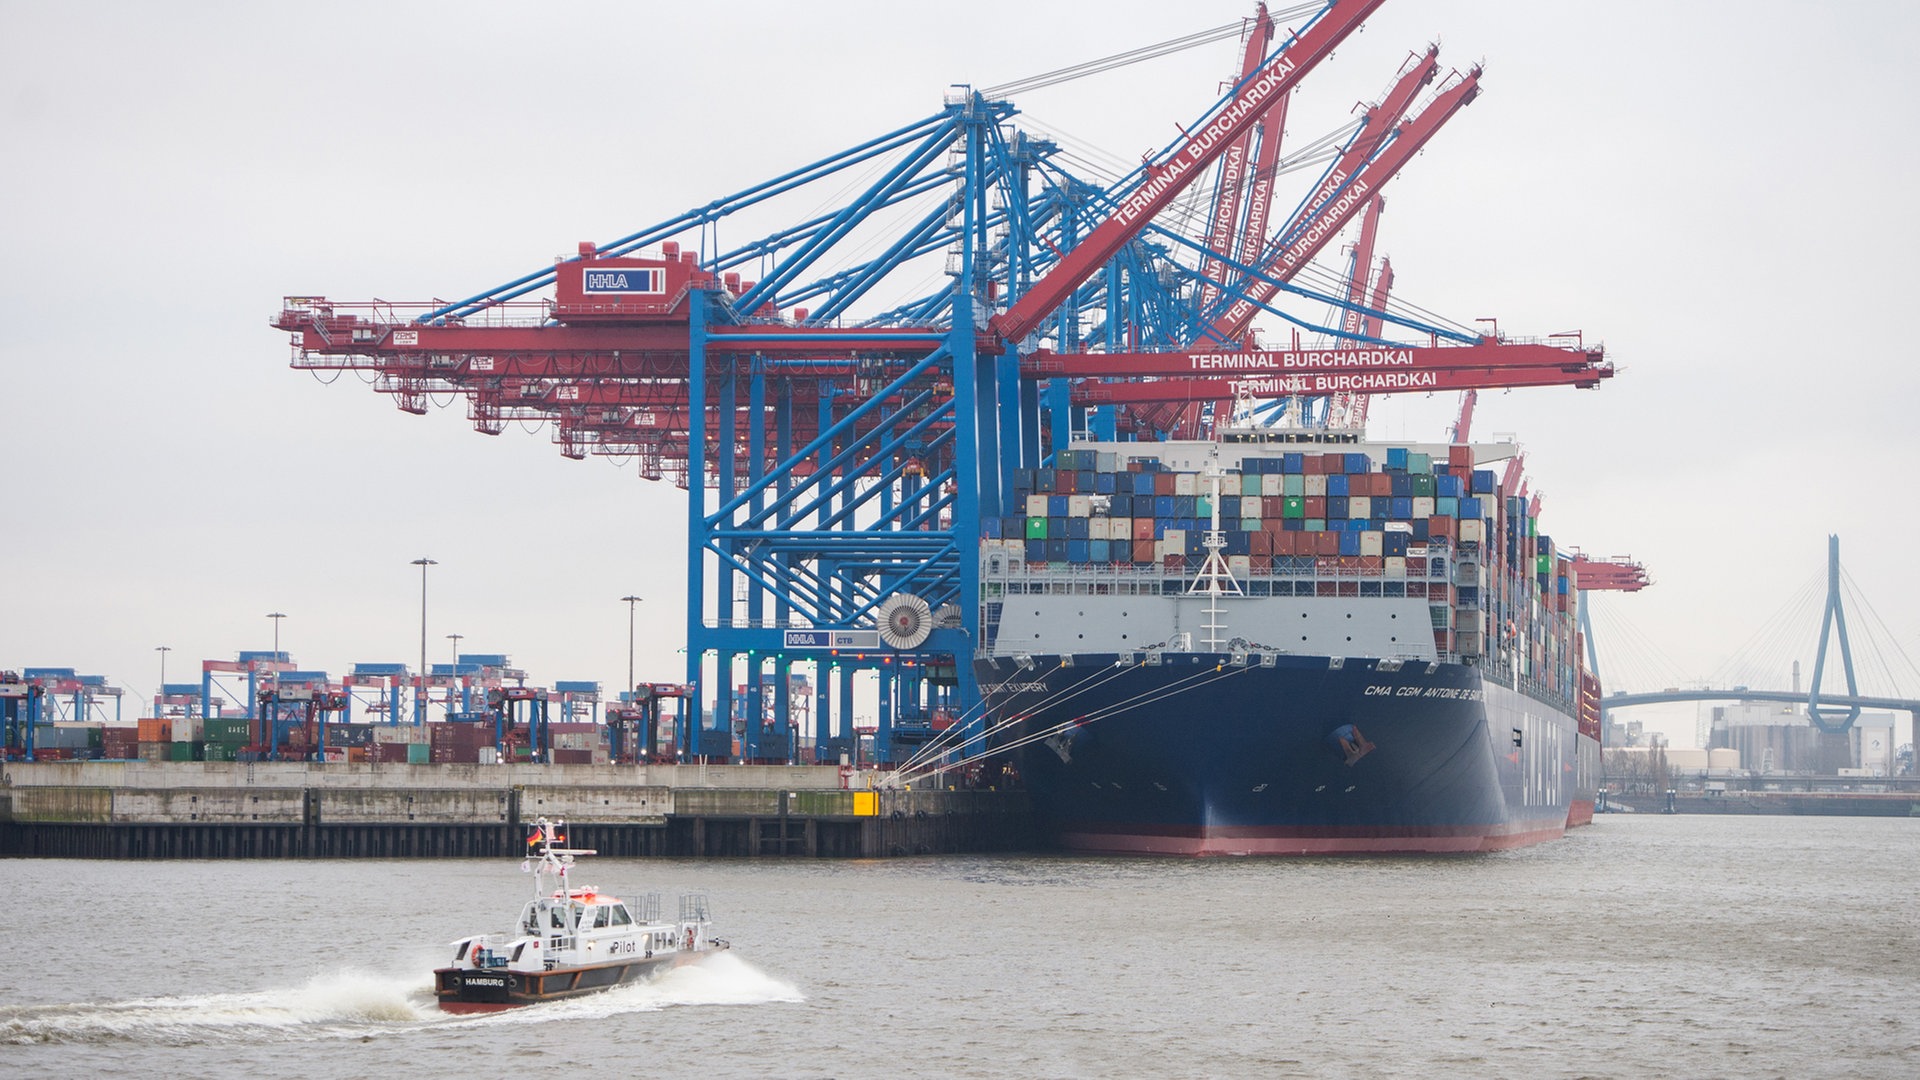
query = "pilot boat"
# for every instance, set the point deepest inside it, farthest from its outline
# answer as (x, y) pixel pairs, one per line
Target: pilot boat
(570, 939)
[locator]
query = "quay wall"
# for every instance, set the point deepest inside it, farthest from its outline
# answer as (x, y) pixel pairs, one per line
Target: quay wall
(92, 809)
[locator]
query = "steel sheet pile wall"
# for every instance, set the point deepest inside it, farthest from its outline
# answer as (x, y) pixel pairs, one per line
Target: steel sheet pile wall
(1368, 521)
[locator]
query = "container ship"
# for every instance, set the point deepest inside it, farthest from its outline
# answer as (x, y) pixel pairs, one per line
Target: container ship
(1287, 642)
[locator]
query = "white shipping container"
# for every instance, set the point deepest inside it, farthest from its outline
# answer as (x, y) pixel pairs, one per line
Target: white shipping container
(1316, 484)
(1250, 506)
(1422, 506)
(1176, 541)
(1371, 543)
(1183, 484)
(1471, 530)
(1360, 507)
(1270, 483)
(1079, 506)
(1036, 506)
(1396, 566)
(1240, 565)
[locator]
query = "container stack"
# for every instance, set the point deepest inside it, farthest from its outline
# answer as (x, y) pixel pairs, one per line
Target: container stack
(226, 739)
(578, 743)
(459, 742)
(121, 742)
(1371, 520)
(398, 744)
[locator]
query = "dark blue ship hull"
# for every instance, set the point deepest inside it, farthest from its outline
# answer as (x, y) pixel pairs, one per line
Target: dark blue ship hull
(1197, 754)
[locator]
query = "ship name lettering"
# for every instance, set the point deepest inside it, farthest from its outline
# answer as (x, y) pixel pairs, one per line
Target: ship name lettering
(1377, 691)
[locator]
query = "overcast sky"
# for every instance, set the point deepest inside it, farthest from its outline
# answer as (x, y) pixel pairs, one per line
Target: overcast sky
(1717, 191)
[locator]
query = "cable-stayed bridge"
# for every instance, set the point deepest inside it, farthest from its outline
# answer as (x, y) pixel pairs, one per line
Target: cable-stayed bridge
(1838, 690)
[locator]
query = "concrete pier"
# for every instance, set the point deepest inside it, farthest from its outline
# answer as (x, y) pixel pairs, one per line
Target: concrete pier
(215, 810)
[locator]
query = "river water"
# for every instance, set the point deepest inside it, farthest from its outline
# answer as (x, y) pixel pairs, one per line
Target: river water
(1643, 946)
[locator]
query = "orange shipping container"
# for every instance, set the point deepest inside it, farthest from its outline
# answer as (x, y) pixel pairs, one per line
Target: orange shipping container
(155, 730)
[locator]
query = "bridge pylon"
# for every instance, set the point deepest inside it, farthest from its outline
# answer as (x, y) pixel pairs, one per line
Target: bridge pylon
(1832, 721)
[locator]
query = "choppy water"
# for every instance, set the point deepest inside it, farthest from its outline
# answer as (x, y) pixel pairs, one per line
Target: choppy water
(1644, 946)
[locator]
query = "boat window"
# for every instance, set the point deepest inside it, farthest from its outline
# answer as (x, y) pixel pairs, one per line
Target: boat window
(559, 919)
(600, 917)
(620, 916)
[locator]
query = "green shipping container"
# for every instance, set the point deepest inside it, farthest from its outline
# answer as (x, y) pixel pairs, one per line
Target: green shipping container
(182, 751)
(1293, 484)
(1422, 485)
(220, 751)
(1036, 528)
(1293, 506)
(418, 753)
(235, 730)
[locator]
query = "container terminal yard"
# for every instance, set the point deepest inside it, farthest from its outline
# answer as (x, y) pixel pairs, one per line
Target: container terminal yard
(899, 397)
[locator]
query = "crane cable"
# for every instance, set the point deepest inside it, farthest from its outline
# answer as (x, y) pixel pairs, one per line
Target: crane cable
(1134, 56)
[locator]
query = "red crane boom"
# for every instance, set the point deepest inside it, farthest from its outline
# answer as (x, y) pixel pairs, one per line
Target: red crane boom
(1352, 180)
(1165, 180)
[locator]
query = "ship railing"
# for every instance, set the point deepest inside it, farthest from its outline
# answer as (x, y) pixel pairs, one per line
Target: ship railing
(1020, 579)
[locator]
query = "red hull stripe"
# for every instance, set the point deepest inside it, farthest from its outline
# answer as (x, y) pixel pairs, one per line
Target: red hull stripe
(1258, 841)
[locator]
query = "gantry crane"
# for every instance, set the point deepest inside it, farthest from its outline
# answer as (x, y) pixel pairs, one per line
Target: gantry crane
(839, 466)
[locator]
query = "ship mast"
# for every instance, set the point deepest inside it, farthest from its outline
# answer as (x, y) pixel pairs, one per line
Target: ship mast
(1215, 578)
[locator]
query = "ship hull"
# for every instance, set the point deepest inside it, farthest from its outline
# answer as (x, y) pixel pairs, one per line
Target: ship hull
(1197, 754)
(474, 990)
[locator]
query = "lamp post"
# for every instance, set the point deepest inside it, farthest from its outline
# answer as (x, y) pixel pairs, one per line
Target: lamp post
(630, 601)
(423, 562)
(276, 616)
(455, 638)
(163, 650)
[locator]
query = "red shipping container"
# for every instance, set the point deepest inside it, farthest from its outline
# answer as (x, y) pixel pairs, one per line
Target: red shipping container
(572, 757)
(1261, 564)
(1326, 543)
(1065, 482)
(1416, 588)
(1176, 564)
(1333, 464)
(1370, 564)
(1163, 483)
(1143, 551)
(1316, 506)
(1260, 543)
(1440, 526)
(1460, 457)
(1143, 530)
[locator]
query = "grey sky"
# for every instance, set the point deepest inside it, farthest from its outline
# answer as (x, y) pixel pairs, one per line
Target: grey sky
(1712, 189)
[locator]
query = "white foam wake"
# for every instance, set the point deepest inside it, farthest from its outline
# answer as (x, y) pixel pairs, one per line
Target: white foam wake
(350, 1003)
(326, 1005)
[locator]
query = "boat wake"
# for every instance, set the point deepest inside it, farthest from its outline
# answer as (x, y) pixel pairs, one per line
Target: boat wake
(358, 1005)
(341, 1003)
